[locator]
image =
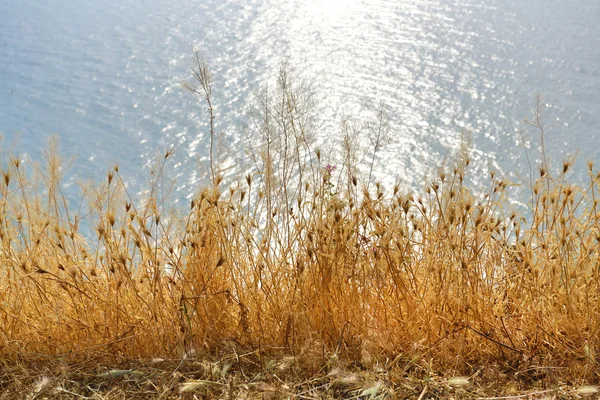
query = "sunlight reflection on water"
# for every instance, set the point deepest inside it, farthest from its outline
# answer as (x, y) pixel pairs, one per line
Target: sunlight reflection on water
(106, 77)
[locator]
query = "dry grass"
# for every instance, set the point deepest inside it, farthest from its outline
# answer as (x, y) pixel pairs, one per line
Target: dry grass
(238, 376)
(300, 280)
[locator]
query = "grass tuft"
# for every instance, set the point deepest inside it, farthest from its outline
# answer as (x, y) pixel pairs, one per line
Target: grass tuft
(303, 267)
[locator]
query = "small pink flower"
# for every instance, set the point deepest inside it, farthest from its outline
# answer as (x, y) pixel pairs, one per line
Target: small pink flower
(329, 168)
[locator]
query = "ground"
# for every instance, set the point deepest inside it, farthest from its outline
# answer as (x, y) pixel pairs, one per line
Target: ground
(242, 377)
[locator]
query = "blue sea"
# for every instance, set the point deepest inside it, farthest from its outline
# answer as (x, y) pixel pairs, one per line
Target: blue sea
(105, 76)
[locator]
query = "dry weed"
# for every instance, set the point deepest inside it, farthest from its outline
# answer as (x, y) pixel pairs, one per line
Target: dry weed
(302, 260)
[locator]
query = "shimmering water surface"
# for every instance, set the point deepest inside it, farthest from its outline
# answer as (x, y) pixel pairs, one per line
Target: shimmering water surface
(105, 76)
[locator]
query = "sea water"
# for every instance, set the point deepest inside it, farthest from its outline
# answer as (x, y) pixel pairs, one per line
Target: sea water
(105, 76)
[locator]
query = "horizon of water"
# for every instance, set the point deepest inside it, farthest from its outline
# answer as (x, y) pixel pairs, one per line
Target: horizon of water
(106, 78)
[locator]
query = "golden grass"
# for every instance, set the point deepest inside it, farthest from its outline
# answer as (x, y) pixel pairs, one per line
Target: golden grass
(303, 262)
